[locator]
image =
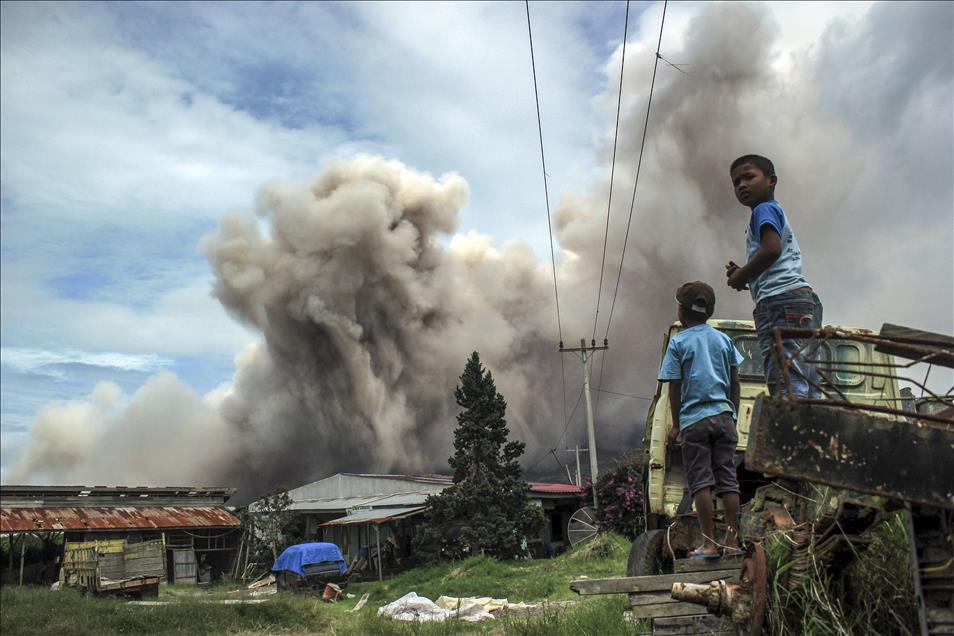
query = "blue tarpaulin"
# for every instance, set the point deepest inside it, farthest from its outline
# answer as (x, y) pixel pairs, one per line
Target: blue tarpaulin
(295, 557)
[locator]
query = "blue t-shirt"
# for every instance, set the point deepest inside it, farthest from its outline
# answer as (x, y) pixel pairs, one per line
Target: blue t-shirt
(702, 357)
(785, 274)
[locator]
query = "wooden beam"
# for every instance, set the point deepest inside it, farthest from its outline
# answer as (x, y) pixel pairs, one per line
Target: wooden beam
(664, 610)
(942, 344)
(658, 583)
(851, 449)
(22, 552)
(733, 564)
(701, 624)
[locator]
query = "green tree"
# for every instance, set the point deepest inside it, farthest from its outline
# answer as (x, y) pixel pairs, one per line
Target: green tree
(267, 524)
(487, 509)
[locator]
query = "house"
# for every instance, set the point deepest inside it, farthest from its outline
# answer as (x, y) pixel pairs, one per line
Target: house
(359, 512)
(196, 530)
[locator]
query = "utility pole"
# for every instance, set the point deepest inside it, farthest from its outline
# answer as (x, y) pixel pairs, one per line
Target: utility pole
(591, 433)
(577, 451)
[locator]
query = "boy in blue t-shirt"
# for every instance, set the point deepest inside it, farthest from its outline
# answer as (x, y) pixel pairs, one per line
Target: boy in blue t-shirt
(773, 273)
(701, 367)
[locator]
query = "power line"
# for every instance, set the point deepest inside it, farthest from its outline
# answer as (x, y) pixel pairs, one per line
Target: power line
(629, 395)
(609, 203)
(639, 163)
(562, 436)
(546, 191)
(546, 195)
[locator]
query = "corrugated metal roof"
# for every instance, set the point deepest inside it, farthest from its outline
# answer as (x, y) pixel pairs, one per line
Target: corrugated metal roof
(441, 480)
(113, 518)
(347, 503)
(404, 499)
(341, 503)
(448, 480)
(556, 489)
(375, 515)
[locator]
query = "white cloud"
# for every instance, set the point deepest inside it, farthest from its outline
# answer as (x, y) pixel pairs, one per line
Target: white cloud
(32, 360)
(129, 129)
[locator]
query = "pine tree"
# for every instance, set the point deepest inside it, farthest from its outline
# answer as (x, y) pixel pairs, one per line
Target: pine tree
(487, 509)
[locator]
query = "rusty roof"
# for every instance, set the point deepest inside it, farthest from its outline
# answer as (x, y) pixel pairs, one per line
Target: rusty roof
(555, 489)
(46, 519)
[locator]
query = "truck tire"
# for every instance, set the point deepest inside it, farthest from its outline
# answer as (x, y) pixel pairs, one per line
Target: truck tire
(649, 555)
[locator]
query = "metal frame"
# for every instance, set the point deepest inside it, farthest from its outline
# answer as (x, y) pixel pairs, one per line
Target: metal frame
(812, 338)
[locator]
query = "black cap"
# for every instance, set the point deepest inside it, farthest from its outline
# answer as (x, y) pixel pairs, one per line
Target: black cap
(697, 297)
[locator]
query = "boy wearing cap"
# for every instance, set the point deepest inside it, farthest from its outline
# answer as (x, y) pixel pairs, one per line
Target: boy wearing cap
(773, 273)
(701, 367)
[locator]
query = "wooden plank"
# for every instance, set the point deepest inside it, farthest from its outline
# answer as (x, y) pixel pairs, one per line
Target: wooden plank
(708, 565)
(688, 625)
(942, 344)
(651, 598)
(665, 609)
(850, 449)
(658, 583)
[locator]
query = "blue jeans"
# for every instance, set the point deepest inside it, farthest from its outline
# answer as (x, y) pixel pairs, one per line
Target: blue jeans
(796, 308)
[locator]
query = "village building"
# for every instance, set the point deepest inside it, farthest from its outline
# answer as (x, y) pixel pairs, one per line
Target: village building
(360, 512)
(197, 535)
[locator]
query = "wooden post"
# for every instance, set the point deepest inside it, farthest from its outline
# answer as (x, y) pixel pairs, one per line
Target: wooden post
(377, 535)
(22, 551)
(10, 565)
(238, 558)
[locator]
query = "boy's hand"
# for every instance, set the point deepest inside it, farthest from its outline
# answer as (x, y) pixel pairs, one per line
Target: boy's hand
(733, 278)
(673, 437)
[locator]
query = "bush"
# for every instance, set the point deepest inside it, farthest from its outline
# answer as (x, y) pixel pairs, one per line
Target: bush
(620, 494)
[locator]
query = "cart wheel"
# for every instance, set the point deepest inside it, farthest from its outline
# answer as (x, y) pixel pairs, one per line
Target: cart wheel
(583, 525)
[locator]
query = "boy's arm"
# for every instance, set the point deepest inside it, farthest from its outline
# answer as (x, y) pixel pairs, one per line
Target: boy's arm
(735, 390)
(675, 404)
(768, 253)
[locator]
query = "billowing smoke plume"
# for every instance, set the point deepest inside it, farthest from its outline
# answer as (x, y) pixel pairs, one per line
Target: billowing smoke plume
(367, 321)
(368, 313)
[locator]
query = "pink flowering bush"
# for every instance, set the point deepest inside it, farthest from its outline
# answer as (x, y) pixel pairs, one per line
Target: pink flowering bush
(620, 493)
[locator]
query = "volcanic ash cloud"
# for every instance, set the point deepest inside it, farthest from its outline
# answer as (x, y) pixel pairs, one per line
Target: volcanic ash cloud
(367, 321)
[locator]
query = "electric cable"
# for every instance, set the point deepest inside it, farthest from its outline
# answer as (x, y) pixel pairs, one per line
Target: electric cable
(609, 203)
(639, 163)
(546, 195)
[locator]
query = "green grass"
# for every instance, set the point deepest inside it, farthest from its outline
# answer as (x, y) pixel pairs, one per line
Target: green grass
(40, 611)
(873, 595)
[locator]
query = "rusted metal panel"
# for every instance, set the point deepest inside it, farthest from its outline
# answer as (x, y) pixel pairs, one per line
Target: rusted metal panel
(855, 450)
(555, 489)
(54, 519)
(915, 344)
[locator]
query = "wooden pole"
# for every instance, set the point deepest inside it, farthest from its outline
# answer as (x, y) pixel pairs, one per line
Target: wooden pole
(377, 535)
(13, 544)
(238, 558)
(22, 551)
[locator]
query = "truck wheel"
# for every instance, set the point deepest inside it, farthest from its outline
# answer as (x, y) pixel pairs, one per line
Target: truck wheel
(649, 555)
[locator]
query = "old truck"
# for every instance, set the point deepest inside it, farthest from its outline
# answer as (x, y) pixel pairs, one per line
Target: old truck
(859, 444)
(668, 504)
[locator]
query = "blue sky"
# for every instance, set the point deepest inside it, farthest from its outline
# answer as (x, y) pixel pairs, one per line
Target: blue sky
(129, 130)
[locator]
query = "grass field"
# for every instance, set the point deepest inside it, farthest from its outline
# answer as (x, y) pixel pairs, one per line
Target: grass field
(40, 611)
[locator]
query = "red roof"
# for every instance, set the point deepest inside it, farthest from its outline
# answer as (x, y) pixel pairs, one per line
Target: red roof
(560, 489)
(30, 519)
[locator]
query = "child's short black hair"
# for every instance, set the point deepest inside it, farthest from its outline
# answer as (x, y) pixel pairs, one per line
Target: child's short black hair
(762, 163)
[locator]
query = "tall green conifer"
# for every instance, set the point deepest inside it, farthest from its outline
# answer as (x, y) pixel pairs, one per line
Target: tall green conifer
(487, 510)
